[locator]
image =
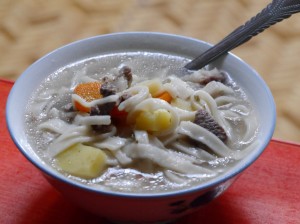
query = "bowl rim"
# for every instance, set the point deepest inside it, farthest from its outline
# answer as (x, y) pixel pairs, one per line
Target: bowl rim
(199, 187)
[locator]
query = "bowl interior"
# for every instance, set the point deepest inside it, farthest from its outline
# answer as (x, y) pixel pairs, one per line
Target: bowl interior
(242, 73)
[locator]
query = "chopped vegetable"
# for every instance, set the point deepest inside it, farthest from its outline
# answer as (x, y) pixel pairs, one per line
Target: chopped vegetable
(88, 92)
(81, 108)
(158, 120)
(116, 113)
(82, 161)
(166, 96)
(118, 116)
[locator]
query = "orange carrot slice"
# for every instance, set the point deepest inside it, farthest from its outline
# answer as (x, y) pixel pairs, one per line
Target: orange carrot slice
(166, 96)
(81, 108)
(88, 91)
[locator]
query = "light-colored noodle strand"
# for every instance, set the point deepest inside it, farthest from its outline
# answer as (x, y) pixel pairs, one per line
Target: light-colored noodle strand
(204, 136)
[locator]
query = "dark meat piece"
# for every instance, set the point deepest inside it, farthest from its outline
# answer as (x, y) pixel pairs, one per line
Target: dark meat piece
(204, 119)
(95, 111)
(68, 108)
(118, 83)
(124, 97)
(105, 79)
(103, 109)
(218, 78)
(107, 89)
(102, 128)
(126, 72)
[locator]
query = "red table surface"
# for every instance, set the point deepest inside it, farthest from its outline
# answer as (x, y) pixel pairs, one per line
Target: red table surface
(268, 191)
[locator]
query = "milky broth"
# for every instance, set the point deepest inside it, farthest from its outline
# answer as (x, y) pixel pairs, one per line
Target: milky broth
(141, 175)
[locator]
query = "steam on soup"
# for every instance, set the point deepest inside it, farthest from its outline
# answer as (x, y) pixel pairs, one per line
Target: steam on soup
(122, 122)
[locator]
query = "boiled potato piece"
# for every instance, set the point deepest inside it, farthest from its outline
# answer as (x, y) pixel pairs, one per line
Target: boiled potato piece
(155, 121)
(82, 161)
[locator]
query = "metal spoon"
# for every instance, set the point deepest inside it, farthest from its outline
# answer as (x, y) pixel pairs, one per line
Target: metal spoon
(276, 11)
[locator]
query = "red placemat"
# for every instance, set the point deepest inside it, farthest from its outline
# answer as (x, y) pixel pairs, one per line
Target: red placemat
(268, 191)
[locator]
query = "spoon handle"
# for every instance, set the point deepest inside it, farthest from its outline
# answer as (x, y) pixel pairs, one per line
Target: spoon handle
(275, 12)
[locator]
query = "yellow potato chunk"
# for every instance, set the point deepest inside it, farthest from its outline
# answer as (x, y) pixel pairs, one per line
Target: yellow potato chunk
(154, 86)
(182, 104)
(158, 120)
(82, 161)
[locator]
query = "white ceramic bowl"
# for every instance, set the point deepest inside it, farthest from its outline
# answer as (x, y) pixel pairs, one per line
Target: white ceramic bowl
(122, 207)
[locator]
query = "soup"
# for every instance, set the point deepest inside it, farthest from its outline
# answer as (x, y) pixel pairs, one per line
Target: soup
(123, 122)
